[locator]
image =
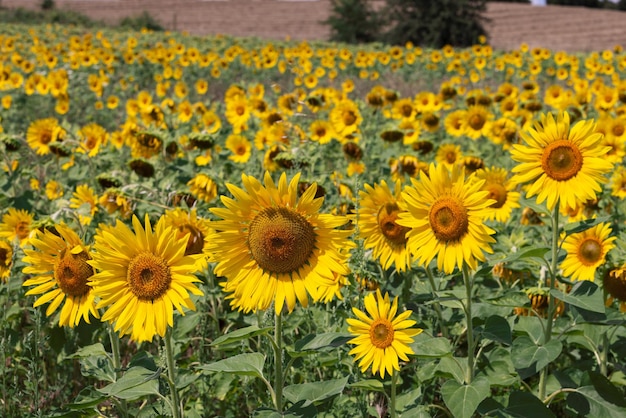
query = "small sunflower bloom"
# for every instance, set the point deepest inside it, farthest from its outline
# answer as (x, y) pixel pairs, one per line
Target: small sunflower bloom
(586, 251)
(6, 259)
(59, 271)
(16, 224)
(562, 163)
(382, 337)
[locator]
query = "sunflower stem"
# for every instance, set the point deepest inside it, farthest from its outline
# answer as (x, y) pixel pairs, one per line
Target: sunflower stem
(392, 401)
(117, 363)
(604, 354)
(171, 373)
(278, 363)
(436, 305)
(551, 305)
(467, 278)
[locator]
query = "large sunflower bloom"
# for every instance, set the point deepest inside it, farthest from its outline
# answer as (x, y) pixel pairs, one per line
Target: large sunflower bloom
(445, 214)
(273, 247)
(377, 217)
(16, 224)
(142, 276)
(565, 163)
(382, 337)
(60, 270)
(41, 133)
(586, 251)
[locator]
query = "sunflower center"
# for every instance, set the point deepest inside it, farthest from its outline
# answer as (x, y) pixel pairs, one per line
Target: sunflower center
(71, 272)
(407, 110)
(590, 251)
(477, 122)
(448, 219)
(451, 157)
(381, 333)
(281, 240)
(195, 242)
(5, 260)
(46, 138)
(149, 276)
(561, 160)
(349, 118)
(387, 216)
(618, 130)
(22, 230)
(498, 193)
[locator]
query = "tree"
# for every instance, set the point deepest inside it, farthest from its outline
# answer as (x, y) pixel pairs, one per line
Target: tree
(353, 21)
(435, 23)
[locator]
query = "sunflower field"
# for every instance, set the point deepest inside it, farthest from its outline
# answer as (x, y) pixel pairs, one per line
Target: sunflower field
(223, 227)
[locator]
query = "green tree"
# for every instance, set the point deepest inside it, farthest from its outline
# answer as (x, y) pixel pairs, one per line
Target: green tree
(353, 21)
(435, 23)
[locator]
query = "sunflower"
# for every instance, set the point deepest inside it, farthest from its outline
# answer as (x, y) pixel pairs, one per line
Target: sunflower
(202, 187)
(445, 214)
(187, 223)
(615, 287)
(142, 276)
(6, 259)
(321, 131)
(272, 246)
(54, 190)
(381, 338)
(113, 201)
(345, 117)
(238, 113)
(618, 182)
(449, 155)
(41, 133)
(92, 136)
(501, 191)
(477, 122)
(241, 148)
(16, 224)
(84, 195)
(59, 269)
(380, 208)
(586, 251)
(564, 164)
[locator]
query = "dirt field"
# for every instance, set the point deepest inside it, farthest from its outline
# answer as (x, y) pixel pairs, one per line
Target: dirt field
(555, 27)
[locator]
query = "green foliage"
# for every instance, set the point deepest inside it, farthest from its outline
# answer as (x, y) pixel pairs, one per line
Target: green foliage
(353, 21)
(64, 17)
(47, 5)
(435, 23)
(142, 21)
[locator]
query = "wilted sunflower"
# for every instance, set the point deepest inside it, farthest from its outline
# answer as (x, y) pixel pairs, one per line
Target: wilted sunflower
(380, 208)
(445, 214)
(272, 246)
(6, 259)
(564, 164)
(501, 191)
(41, 133)
(54, 190)
(586, 251)
(16, 224)
(381, 338)
(142, 276)
(59, 269)
(202, 187)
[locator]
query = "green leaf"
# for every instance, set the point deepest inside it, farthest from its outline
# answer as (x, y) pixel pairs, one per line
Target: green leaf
(524, 404)
(497, 329)
(240, 334)
(585, 294)
(425, 346)
(462, 400)
(607, 390)
(368, 384)
(511, 299)
(532, 254)
(600, 407)
(87, 398)
(318, 341)
(88, 351)
(525, 353)
(531, 325)
(242, 364)
(314, 392)
(98, 366)
(134, 384)
(453, 366)
(500, 373)
(574, 227)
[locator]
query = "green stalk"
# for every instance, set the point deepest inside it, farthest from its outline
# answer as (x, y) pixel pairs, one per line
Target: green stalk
(467, 278)
(551, 305)
(117, 363)
(392, 402)
(278, 363)
(604, 354)
(171, 373)
(436, 304)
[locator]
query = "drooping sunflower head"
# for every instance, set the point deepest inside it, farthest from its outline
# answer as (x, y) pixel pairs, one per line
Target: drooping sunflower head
(445, 212)
(565, 164)
(59, 268)
(203, 187)
(586, 251)
(615, 286)
(382, 337)
(272, 246)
